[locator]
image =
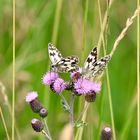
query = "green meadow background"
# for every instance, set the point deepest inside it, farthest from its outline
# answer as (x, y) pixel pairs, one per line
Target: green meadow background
(74, 27)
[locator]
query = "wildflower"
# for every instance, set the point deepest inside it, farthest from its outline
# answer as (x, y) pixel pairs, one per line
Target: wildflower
(49, 78)
(84, 86)
(59, 85)
(34, 103)
(96, 87)
(37, 125)
(106, 134)
(43, 112)
(31, 96)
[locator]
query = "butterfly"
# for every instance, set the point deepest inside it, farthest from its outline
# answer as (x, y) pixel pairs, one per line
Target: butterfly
(59, 63)
(92, 66)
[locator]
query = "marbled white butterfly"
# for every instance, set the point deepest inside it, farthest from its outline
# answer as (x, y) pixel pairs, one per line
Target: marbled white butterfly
(60, 64)
(92, 66)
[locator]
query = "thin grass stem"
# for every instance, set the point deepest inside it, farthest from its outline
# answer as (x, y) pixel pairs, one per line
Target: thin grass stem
(84, 29)
(13, 74)
(129, 22)
(6, 101)
(127, 125)
(81, 114)
(100, 114)
(107, 75)
(110, 105)
(138, 71)
(5, 127)
(57, 20)
(79, 132)
(104, 23)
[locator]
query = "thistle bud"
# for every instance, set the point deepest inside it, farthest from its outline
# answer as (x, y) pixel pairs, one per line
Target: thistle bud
(37, 125)
(106, 134)
(43, 112)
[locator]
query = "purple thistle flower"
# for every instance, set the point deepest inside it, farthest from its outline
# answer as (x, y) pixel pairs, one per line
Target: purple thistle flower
(49, 78)
(84, 86)
(59, 85)
(31, 96)
(96, 87)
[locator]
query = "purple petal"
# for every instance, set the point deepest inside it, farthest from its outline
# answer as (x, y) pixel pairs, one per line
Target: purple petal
(31, 96)
(59, 85)
(49, 78)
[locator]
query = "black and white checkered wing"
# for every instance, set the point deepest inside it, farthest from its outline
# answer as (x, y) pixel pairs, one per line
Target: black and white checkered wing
(60, 64)
(54, 54)
(68, 64)
(91, 59)
(100, 65)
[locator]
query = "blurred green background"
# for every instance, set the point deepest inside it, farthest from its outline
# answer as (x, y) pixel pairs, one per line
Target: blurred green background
(63, 23)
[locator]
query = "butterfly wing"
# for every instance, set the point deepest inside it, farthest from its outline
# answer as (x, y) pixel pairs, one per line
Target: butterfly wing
(68, 64)
(100, 65)
(54, 54)
(91, 59)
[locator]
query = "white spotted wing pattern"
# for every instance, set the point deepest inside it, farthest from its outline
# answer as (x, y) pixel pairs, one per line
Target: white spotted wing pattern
(60, 64)
(92, 66)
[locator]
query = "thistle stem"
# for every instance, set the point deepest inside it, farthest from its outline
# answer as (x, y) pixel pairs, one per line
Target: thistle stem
(66, 103)
(72, 114)
(71, 109)
(47, 129)
(46, 135)
(82, 112)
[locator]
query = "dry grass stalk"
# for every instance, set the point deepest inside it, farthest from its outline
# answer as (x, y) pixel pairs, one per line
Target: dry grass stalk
(129, 22)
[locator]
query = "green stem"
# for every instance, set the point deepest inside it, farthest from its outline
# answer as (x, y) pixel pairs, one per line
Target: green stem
(138, 71)
(65, 102)
(79, 132)
(57, 20)
(47, 129)
(110, 104)
(46, 135)
(13, 72)
(81, 114)
(72, 109)
(72, 114)
(5, 127)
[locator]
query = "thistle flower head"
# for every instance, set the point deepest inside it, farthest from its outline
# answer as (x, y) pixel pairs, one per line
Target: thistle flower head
(31, 96)
(59, 85)
(84, 86)
(49, 78)
(96, 87)
(37, 125)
